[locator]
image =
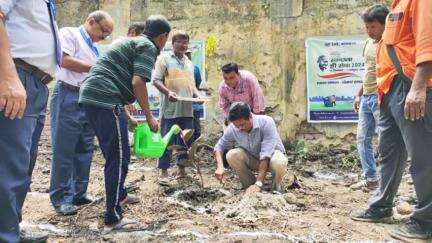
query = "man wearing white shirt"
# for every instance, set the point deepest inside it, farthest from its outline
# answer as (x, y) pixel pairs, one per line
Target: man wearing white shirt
(72, 135)
(29, 52)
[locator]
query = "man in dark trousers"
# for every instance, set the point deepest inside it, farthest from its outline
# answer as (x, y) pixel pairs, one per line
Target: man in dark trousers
(118, 79)
(30, 52)
(404, 75)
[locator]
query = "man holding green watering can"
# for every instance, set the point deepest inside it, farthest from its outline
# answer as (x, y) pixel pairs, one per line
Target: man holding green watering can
(119, 78)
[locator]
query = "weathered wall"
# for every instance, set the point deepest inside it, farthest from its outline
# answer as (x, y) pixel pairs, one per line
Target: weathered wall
(264, 36)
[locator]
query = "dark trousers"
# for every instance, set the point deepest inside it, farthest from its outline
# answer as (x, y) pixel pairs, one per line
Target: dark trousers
(72, 140)
(400, 137)
(19, 140)
(166, 124)
(110, 127)
(196, 125)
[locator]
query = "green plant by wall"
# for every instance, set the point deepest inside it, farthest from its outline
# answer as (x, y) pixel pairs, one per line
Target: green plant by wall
(265, 5)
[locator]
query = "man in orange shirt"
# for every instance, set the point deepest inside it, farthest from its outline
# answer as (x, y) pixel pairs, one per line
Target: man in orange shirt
(404, 76)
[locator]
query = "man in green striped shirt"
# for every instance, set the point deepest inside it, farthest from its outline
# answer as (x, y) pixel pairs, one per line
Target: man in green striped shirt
(119, 78)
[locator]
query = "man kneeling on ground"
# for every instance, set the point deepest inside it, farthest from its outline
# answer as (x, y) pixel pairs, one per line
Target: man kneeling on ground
(259, 148)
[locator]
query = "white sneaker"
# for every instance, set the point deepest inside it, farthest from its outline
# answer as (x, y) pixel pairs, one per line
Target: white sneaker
(364, 184)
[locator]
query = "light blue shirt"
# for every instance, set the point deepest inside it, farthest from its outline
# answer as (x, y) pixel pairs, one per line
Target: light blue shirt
(30, 35)
(261, 141)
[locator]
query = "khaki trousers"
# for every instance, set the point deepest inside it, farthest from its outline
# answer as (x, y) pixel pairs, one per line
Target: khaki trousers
(244, 164)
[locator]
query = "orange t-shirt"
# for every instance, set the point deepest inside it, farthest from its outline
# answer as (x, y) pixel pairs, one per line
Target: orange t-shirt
(409, 30)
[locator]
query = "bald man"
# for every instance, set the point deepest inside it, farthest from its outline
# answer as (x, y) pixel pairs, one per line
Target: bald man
(72, 135)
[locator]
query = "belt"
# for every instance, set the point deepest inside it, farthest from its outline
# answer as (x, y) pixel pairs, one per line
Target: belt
(44, 77)
(69, 86)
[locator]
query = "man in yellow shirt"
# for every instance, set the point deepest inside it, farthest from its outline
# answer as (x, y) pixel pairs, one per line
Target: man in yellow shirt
(366, 102)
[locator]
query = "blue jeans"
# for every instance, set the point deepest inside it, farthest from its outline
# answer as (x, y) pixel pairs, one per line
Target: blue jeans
(19, 140)
(368, 119)
(72, 143)
(111, 130)
(166, 124)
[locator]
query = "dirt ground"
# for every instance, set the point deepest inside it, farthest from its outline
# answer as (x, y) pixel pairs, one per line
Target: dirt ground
(315, 209)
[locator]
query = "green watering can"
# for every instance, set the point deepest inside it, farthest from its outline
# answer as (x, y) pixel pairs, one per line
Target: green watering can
(148, 144)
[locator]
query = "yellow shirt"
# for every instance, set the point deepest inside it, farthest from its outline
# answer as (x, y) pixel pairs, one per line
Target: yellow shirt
(369, 53)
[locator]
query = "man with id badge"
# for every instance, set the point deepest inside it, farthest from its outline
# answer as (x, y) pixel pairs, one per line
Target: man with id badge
(71, 133)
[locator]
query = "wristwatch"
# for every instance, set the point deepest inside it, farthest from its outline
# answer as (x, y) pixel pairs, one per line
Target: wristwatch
(259, 184)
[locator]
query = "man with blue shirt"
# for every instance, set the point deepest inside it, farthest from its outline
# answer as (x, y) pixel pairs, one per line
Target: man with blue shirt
(30, 52)
(71, 133)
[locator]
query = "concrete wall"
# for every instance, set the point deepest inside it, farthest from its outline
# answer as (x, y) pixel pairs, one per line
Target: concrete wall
(264, 36)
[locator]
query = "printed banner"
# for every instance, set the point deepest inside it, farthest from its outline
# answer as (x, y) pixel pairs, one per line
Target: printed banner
(335, 71)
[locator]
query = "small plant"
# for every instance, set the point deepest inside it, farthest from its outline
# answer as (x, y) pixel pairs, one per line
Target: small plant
(349, 162)
(300, 148)
(266, 6)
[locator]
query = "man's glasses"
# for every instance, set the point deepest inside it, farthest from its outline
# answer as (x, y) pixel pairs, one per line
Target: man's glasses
(105, 33)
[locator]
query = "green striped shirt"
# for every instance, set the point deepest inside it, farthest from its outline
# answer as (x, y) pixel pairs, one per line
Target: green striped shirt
(109, 82)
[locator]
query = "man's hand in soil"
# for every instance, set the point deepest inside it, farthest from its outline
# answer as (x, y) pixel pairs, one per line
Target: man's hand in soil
(219, 173)
(253, 189)
(356, 103)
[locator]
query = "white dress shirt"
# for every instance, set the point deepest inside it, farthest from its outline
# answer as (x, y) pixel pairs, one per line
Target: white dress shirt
(29, 30)
(75, 46)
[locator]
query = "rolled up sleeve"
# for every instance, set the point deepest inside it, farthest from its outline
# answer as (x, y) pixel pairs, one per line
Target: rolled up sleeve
(270, 139)
(421, 13)
(227, 141)
(6, 6)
